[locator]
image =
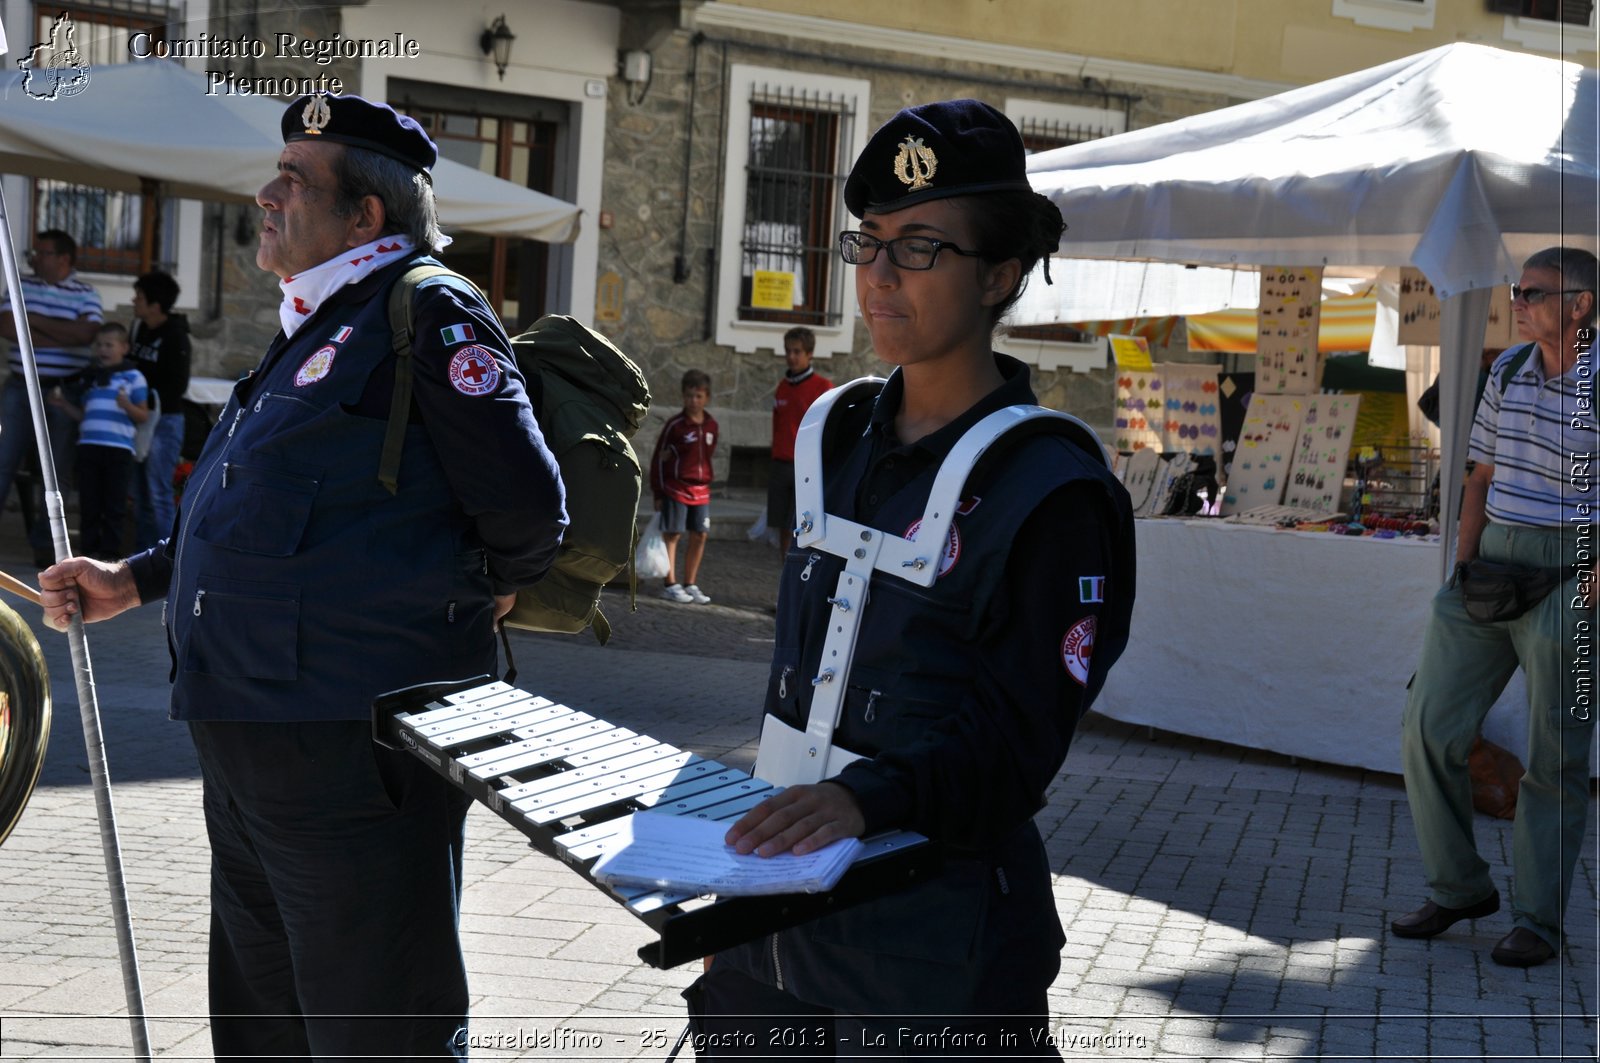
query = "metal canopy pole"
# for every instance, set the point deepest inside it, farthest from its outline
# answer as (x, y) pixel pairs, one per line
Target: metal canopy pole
(83, 672)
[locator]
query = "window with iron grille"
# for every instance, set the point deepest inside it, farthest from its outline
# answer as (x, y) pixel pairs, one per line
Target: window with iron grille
(107, 225)
(791, 138)
(1558, 26)
(1043, 127)
(1571, 12)
(1402, 15)
(790, 193)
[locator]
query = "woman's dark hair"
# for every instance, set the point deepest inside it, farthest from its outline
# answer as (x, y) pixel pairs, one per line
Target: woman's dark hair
(1025, 226)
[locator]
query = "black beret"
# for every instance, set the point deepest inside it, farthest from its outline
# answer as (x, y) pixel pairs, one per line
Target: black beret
(361, 124)
(952, 148)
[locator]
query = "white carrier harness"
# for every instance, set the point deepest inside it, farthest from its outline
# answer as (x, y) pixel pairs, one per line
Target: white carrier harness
(788, 756)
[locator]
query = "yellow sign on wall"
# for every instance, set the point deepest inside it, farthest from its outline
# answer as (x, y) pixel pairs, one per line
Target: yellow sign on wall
(1131, 352)
(608, 299)
(772, 289)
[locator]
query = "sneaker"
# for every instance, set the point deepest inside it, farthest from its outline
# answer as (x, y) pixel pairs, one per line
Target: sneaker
(676, 593)
(698, 596)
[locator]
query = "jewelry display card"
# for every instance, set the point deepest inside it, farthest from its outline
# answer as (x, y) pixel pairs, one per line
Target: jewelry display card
(1138, 416)
(1266, 446)
(1193, 422)
(1316, 477)
(1287, 322)
(1141, 475)
(1419, 309)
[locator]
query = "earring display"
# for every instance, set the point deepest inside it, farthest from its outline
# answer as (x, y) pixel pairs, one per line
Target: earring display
(1168, 408)
(1261, 464)
(1139, 416)
(1288, 321)
(1140, 475)
(1193, 421)
(1321, 452)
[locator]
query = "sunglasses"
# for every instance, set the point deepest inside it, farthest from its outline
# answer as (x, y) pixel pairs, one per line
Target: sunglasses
(1535, 296)
(907, 252)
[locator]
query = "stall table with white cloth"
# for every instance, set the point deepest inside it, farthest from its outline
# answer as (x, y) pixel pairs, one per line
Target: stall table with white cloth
(1300, 643)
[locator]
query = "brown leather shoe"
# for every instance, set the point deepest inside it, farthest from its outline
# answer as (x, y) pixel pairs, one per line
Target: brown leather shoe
(1433, 918)
(1522, 948)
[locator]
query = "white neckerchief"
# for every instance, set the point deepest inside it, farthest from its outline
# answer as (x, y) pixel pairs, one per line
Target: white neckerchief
(303, 293)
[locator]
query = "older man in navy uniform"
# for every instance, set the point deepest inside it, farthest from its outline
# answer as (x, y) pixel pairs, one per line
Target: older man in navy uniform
(298, 587)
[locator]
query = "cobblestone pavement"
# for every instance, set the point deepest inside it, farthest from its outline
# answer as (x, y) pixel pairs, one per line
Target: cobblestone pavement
(1219, 903)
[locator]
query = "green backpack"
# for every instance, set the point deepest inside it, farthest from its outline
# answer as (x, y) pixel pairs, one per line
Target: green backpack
(589, 399)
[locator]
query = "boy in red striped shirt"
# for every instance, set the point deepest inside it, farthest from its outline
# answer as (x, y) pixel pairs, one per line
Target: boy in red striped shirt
(680, 481)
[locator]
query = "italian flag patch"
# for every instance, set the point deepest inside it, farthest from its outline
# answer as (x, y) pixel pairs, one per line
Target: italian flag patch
(1091, 589)
(458, 334)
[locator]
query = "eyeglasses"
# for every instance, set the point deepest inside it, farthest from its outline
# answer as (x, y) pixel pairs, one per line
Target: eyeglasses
(907, 252)
(37, 252)
(1535, 296)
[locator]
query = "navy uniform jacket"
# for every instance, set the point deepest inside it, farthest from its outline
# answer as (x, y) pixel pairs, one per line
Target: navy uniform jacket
(964, 696)
(297, 587)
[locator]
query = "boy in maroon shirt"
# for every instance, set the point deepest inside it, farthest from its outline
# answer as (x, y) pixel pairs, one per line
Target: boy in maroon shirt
(799, 388)
(680, 480)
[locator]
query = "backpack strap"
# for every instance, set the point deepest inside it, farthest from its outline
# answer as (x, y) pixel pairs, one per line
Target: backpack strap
(401, 329)
(1514, 365)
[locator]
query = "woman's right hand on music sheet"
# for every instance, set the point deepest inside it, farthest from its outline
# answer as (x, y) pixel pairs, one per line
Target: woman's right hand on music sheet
(97, 589)
(801, 820)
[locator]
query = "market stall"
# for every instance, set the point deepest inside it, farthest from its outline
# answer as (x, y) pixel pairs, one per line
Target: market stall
(1297, 642)
(1430, 161)
(1460, 161)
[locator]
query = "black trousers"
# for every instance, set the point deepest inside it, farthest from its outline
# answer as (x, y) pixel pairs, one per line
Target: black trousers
(733, 1016)
(105, 476)
(335, 893)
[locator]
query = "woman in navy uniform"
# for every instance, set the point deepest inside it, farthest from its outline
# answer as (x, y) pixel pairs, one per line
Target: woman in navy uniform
(962, 697)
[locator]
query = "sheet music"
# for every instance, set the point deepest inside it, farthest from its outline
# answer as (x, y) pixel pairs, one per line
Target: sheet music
(687, 854)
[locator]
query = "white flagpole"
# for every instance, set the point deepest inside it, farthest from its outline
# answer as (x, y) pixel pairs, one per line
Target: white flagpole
(83, 671)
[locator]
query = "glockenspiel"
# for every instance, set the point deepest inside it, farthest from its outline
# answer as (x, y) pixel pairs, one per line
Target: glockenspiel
(567, 780)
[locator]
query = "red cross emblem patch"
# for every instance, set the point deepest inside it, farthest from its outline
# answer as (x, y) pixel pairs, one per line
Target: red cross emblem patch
(952, 545)
(473, 371)
(1077, 649)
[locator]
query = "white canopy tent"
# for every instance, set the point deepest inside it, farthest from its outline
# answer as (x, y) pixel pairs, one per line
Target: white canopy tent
(1461, 161)
(152, 121)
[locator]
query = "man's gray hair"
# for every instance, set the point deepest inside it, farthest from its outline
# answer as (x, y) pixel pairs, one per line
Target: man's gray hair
(1577, 268)
(407, 195)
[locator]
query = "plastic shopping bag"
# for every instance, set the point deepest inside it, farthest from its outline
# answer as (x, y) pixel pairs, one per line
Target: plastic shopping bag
(650, 559)
(759, 531)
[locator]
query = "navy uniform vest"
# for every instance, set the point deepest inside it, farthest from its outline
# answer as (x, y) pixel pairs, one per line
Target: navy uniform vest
(935, 948)
(915, 649)
(300, 587)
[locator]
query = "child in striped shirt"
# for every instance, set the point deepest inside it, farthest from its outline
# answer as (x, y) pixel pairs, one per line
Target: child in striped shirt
(115, 402)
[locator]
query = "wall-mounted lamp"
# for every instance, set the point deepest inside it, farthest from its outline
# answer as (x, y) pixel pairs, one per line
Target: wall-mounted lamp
(497, 40)
(636, 75)
(636, 67)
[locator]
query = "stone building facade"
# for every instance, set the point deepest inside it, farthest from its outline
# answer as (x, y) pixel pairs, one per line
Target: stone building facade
(664, 183)
(648, 108)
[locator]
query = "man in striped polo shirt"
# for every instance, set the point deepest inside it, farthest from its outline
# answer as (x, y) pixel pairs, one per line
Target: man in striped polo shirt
(1531, 500)
(63, 314)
